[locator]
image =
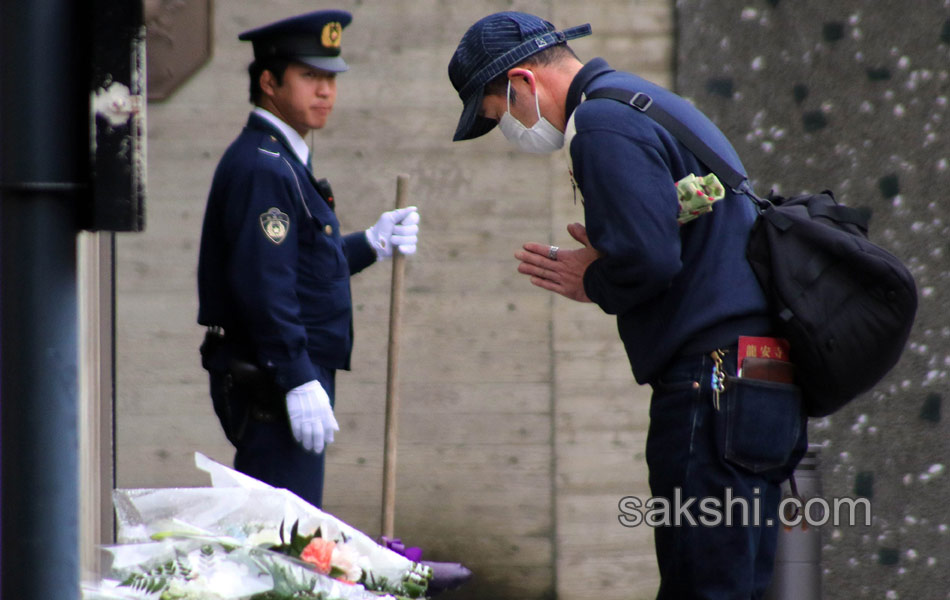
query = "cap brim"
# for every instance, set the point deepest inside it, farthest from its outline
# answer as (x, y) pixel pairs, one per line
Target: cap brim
(471, 125)
(332, 64)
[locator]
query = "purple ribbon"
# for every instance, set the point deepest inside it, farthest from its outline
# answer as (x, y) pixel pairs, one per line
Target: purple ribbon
(395, 544)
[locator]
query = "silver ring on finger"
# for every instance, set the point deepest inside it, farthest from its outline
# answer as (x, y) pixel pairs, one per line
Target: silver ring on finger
(552, 252)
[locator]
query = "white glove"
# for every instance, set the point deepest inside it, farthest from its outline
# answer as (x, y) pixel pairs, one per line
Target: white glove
(311, 416)
(394, 228)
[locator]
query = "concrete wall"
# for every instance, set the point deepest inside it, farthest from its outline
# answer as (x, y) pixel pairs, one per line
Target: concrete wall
(521, 425)
(852, 95)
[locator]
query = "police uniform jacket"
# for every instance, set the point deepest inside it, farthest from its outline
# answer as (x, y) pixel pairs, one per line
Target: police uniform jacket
(274, 270)
(675, 290)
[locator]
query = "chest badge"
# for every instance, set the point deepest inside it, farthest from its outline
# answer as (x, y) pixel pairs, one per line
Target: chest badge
(275, 225)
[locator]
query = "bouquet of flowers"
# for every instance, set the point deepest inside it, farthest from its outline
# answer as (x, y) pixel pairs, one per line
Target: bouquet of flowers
(244, 540)
(202, 568)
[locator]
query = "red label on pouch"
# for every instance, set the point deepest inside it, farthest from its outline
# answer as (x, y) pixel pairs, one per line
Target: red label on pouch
(762, 347)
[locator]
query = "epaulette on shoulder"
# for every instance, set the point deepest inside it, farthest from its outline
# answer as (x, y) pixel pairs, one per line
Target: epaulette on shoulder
(270, 146)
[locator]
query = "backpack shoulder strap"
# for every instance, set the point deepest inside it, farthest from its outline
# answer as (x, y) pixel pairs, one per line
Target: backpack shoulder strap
(645, 104)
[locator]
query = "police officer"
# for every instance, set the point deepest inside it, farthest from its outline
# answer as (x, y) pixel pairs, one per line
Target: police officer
(683, 295)
(274, 268)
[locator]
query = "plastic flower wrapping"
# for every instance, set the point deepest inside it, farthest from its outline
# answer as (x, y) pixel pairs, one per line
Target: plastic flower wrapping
(241, 539)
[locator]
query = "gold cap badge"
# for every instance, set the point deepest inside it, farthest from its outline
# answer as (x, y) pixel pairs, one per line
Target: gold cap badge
(332, 35)
(275, 224)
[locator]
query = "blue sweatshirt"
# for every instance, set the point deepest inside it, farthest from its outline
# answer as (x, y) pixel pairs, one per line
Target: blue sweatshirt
(676, 290)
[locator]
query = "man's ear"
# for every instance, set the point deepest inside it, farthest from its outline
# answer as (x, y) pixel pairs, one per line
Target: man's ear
(525, 75)
(267, 82)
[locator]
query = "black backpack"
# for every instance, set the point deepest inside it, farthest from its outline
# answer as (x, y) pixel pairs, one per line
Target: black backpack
(845, 305)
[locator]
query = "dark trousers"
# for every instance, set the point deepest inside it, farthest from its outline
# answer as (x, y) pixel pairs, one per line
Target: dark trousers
(738, 455)
(266, 450)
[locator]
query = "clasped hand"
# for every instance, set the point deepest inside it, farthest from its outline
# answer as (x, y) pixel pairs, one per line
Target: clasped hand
(563, 274)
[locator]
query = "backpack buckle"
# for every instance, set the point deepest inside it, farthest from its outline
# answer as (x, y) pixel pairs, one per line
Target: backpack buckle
(641, 101)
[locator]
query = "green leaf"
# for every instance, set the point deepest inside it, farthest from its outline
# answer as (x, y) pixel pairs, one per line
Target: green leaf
(293, 531)
(414, 590)
(150, 583)
(336, 572)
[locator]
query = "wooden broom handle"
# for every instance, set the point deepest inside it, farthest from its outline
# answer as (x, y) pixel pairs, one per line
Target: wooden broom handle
(392, 374)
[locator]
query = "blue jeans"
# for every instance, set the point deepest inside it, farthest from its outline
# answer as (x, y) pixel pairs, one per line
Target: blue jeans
(737, 454)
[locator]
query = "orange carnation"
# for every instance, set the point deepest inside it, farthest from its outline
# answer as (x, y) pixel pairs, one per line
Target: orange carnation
(318, 553)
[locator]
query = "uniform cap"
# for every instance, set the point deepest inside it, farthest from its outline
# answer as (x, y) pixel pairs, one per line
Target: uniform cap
(313, 39)
(489, 48)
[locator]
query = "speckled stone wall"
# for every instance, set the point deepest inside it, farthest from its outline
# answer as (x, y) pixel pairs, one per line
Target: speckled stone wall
(853, 96)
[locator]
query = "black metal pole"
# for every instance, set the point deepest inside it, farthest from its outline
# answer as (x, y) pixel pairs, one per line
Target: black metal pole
(44, 148)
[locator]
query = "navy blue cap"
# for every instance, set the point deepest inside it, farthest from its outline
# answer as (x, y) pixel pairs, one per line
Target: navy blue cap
(489, 48)
(313, 39)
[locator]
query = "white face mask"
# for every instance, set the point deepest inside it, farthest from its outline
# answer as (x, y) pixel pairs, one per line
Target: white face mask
(541, 138)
